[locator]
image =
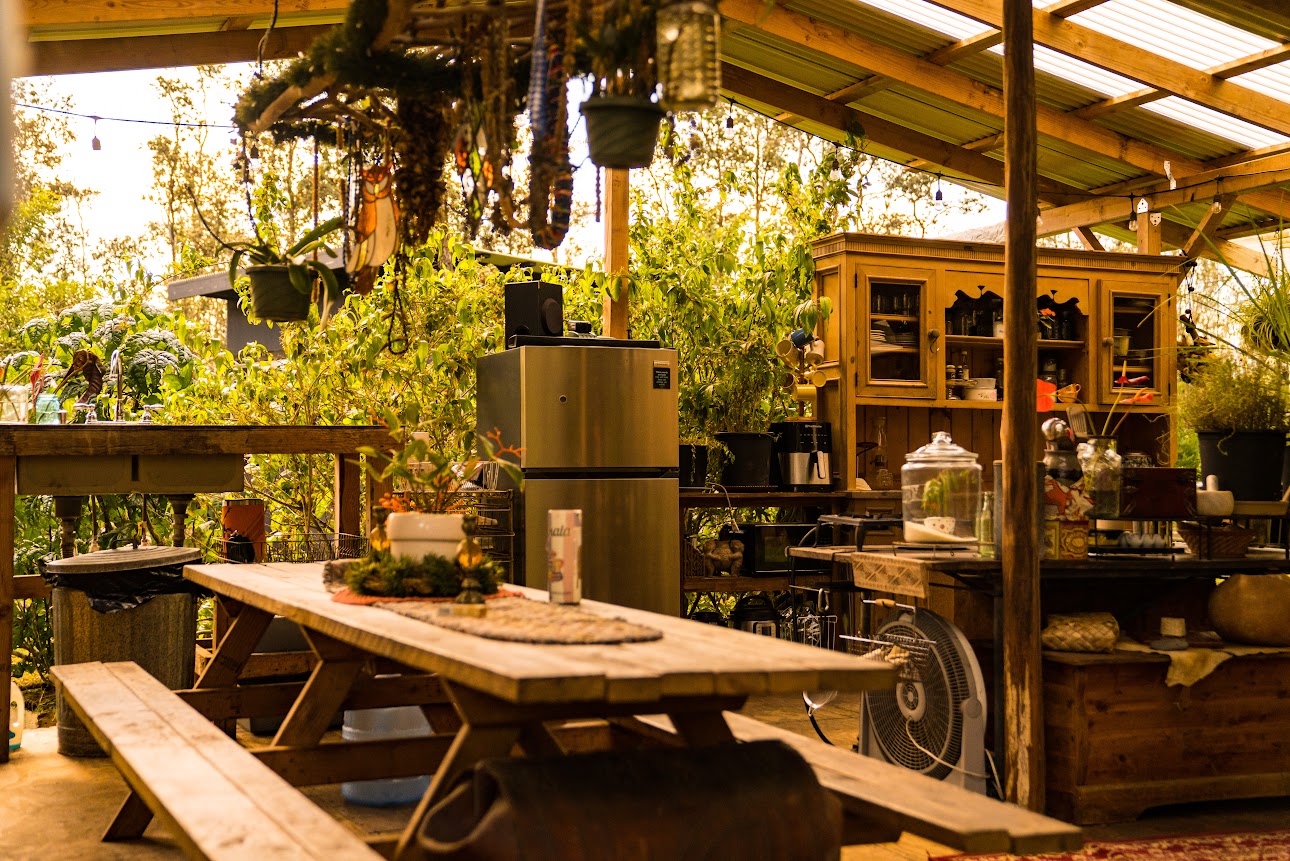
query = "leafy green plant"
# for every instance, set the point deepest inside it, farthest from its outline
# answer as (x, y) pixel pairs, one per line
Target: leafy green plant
(432, 576)
(1232, 394)
(300, 268)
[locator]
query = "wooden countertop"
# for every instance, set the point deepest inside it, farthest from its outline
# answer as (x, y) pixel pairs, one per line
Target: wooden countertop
(109, 438)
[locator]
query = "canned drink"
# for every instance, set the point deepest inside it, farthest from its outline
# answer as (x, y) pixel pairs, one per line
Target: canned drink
(564, 555)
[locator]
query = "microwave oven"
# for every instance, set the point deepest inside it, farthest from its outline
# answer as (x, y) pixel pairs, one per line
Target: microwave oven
(766, 548)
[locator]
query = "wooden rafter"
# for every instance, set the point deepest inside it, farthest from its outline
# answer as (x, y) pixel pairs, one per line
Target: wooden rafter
(1134, 62)
(1204, 232)
(1218, 250)
(161, 52)
(58, 14)
(820, 109)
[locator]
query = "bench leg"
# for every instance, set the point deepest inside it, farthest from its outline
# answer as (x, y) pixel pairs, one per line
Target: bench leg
(131, 820)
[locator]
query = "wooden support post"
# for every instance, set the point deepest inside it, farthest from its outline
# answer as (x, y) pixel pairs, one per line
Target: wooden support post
(617, 212)
(8, 491)
(1149, 233)
(1023, 693)
(179, 503)
(68, 511)
(347, 498)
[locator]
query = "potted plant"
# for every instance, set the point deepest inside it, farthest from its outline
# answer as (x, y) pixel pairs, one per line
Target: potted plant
(283, 281)
(622, 112)
(1240, 410)
(427, 507)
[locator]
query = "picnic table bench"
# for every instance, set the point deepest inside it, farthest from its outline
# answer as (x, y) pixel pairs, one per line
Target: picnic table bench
(217, 799)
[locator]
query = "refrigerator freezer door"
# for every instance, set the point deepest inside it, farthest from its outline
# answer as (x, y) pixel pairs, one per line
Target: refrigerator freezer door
(583, 408)
(631, 541)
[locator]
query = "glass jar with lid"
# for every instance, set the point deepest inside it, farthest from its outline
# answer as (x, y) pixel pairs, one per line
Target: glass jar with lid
(941, 492)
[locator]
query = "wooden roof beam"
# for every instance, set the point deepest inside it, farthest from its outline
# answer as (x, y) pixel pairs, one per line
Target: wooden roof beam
(912, 71)
(1204, 232)
(1218, 250)
(162, 52)
(1129, 60)
(1253, 62)
(71, 13)
(818, 109)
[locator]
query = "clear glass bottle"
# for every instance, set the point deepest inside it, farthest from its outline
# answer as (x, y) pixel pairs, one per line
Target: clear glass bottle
(688, 66)
(883, 479)
(1102, 470)
(985, 527)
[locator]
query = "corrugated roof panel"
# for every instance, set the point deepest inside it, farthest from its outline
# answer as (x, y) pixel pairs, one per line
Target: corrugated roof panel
(1171, 31)
(941, 20)
(1085, 74)
(1273, 81)
(914, 36)
(1212, 121)
(1175, 136)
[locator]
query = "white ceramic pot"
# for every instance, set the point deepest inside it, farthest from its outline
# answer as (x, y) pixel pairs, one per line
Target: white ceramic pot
(416, 535)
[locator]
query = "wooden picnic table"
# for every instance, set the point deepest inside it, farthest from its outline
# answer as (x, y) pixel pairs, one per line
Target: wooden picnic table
(503, 692)
(72, 461)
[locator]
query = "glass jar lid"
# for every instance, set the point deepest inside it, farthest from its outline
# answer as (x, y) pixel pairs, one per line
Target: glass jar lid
(941, 449)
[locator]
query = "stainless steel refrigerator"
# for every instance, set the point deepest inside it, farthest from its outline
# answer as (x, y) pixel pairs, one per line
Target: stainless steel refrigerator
(598, 428)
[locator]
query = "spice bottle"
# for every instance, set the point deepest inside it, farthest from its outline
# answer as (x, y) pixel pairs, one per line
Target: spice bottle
(985, 527)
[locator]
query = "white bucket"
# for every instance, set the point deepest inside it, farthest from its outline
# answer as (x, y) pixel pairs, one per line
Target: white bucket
(17, 714)
(374, 724)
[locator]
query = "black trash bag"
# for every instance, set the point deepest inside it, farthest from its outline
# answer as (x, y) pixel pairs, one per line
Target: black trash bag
(114, 591)
(757, 802)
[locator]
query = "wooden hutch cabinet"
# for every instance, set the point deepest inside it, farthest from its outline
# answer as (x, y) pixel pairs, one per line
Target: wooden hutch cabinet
(915, 322)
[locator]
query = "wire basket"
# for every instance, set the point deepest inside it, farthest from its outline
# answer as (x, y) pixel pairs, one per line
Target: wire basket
(912, 656)
(315, 547)
(813, 629)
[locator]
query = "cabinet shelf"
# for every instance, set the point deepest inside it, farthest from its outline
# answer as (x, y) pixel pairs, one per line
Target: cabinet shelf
(890, 349)
(895, 318)
(982, 341)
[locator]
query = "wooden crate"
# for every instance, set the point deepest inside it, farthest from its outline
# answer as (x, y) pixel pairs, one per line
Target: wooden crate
(1118, 741)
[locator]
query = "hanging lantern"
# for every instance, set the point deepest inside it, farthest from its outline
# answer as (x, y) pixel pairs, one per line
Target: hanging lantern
(688, 67)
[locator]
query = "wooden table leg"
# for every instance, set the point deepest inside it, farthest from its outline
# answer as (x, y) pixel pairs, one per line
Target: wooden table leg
(8, 491)
(329, 684)
(234, 648)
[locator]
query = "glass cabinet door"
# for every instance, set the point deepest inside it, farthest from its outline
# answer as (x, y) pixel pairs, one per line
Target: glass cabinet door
(896, 346)
(1136, 323)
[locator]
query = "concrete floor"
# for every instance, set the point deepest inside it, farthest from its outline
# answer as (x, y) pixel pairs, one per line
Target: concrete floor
(55, 807)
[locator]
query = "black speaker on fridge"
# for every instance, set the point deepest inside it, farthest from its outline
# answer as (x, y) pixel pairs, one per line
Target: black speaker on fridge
(533, 308)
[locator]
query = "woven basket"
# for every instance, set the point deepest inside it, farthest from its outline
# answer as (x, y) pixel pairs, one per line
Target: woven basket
(691, 560)
(1081, 632)
(1216, 542)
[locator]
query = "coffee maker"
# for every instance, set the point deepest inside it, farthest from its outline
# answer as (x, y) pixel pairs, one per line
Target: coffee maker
(802, 449)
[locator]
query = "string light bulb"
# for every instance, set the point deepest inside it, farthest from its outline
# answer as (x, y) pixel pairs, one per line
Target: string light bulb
(835, 175)
(939, 196)
(95, 143)
(729, 131)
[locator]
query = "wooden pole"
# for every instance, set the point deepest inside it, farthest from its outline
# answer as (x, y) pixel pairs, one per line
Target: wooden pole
(1022, 706)
(617, 210)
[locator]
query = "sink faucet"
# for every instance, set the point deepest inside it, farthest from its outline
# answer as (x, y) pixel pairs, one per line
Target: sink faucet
(114, 370)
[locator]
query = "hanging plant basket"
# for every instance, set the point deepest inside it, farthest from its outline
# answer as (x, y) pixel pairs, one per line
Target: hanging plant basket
(274, 297)
(622, 131)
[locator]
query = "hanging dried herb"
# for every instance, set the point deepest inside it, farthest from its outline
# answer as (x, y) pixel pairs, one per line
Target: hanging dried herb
(421, 144)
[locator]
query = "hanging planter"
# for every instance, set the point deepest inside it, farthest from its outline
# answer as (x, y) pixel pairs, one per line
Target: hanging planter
(274, 297)
(622, 131)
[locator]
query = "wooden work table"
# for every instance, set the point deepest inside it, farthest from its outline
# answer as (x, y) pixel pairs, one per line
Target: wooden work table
(72, 461)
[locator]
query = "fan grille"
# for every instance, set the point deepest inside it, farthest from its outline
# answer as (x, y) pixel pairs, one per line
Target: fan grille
(941, 690)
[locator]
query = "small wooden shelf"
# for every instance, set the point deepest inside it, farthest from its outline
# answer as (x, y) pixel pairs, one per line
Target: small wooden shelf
(890, 350)
(895, 318)
(997, 343)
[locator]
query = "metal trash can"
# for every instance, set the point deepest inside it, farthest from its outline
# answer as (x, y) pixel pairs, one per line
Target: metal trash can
(129, 604)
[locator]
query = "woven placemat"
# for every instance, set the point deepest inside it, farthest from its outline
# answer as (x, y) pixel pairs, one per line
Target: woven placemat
(521, 620)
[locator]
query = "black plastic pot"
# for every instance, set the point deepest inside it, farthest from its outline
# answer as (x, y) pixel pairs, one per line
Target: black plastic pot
(621, 130)
(693, 470)
(1246, 462)
(748, 466)
(274, 297)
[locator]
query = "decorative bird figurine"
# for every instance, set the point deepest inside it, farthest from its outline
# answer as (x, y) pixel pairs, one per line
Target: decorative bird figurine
(84, 364)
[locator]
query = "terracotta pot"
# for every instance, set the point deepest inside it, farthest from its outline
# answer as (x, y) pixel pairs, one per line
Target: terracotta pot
(416, 535)
(1252, 608)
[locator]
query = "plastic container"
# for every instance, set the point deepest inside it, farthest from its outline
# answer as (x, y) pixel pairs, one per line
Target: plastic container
(941, 492)
(378, 724)
(17, 714)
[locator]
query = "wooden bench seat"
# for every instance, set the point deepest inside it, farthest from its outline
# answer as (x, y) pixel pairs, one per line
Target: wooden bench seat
(219, 801)
(889, 796)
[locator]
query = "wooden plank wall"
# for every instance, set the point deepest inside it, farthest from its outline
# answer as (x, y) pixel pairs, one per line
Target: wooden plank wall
(910, 427)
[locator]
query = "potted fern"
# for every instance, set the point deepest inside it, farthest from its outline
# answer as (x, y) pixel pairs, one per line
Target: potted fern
(1240, 410)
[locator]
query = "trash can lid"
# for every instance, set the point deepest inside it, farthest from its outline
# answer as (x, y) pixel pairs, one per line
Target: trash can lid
(124, 559)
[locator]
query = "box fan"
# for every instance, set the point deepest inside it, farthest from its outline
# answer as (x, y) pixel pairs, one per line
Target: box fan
(933, 719)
